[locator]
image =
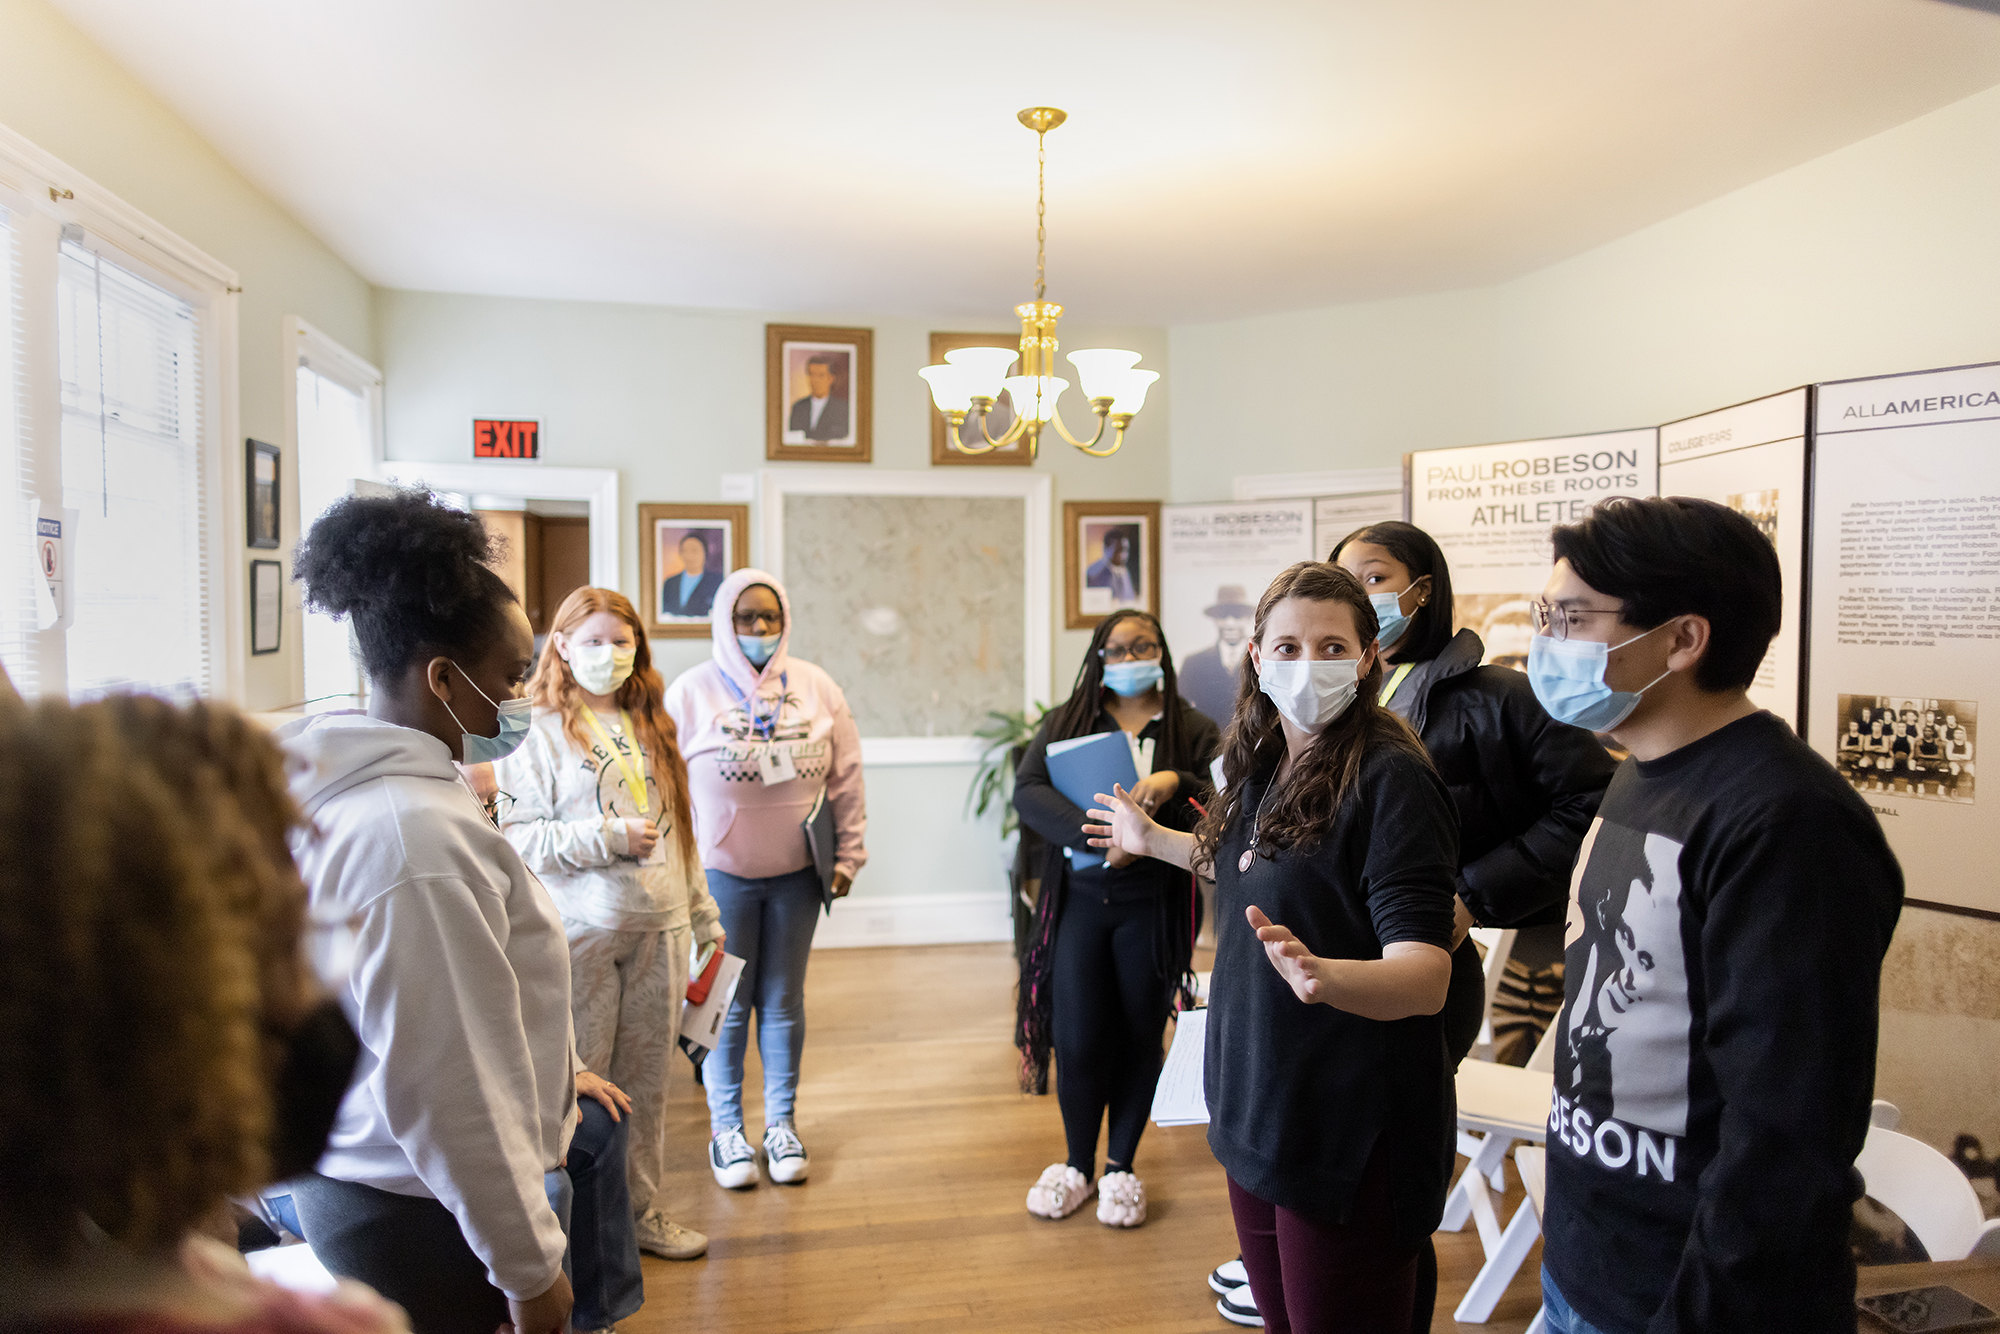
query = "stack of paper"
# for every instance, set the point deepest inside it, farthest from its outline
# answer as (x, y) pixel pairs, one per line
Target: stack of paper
(1179, 1099)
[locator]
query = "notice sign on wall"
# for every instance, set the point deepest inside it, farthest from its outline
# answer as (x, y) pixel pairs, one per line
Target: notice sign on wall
(1490, 508)
(493, 438)
(1752, 458)
(1215, 562)
(1905, 624)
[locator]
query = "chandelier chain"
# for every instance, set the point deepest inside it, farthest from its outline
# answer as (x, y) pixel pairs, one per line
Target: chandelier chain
(1041, 209)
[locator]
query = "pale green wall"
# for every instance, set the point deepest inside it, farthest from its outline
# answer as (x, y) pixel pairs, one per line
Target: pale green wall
(1879, 257)
(63, 93)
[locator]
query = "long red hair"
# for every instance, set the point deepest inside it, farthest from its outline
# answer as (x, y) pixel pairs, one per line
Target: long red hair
(643, 697)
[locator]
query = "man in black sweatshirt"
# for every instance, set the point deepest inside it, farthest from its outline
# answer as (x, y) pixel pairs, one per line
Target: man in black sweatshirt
(1728, 917)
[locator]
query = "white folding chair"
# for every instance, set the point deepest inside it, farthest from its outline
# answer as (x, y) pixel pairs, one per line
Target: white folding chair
(1928, 1193)
(1499, 947)
(1531, 1161)
(1498, 1106)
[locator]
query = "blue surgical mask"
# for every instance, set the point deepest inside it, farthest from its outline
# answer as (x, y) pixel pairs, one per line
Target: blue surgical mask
(515, 716)
(1390, 623)
(1568, 678)
(1132, 679)
(758, 648)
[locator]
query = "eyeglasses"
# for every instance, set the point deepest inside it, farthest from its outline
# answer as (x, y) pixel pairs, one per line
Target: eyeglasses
(1554, 620)
(751, 620)
(1139, 650)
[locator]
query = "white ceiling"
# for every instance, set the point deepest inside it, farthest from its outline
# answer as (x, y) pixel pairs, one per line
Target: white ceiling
(1221, 158)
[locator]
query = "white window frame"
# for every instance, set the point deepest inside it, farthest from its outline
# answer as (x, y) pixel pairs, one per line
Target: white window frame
(44, 194)
(300, 342)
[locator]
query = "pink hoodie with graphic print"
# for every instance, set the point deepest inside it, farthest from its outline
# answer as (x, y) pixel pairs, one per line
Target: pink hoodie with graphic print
(745, 826)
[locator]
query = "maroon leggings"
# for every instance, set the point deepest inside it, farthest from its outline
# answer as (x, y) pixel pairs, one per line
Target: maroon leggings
(1314, 1277)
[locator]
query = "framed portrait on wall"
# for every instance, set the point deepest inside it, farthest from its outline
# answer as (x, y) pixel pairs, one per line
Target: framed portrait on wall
(1111, 559)
(685, 551)
(997, 422)
(260, 483)
(819, 385)
(267, 605)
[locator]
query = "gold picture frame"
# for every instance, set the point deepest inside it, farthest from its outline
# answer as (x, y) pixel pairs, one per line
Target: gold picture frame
(834, 426)
(670, 608)
(1097, 582)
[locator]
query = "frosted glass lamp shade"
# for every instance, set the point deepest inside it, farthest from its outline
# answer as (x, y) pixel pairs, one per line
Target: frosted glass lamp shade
(1130, 395)
(951, 387)
(1101, 370)
(985, 368)
(1023, 387)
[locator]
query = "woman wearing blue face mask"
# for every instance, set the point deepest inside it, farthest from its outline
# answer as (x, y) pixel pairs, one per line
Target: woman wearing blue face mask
(450, 1145)
(1525, 786)
(1112, 932)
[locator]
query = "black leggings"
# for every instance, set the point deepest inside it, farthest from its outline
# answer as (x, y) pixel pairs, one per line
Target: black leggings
(1110, 999)
(407, 1247)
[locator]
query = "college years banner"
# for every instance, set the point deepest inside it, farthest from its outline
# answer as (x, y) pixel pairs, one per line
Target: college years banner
(1752, 458)
(1334, 517)
(1215, 562)
(1905, 623)
(1490, 508)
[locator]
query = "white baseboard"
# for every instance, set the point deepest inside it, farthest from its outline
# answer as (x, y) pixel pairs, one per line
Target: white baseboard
(916, 919)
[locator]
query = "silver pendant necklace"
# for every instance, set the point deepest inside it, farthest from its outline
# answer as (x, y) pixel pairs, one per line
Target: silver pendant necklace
(1256, 830)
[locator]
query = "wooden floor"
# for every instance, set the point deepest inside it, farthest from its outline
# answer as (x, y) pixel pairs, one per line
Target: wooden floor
(922, 1154)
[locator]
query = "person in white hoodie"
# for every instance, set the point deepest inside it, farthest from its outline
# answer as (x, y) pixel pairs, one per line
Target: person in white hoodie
(465, 1094)
(596, 802)
(764, 734)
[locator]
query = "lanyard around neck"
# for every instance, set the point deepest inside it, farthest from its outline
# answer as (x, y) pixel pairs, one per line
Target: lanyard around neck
(1395, 680)
(765, 728)
(633, 767)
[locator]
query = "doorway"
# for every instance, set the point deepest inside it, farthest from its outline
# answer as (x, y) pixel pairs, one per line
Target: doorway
(548, 551)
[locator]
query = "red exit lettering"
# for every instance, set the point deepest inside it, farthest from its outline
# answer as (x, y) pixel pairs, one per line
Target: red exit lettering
(506, 439)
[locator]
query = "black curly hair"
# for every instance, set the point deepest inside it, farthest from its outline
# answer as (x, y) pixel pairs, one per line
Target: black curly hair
(413, 575)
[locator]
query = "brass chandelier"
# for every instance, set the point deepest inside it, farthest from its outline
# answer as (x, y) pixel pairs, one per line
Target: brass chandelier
(972, 378)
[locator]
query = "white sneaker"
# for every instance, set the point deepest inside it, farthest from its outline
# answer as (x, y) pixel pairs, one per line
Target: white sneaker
(731, 1159)
(1121, 1200)
(1227, 1277)
(784, 1156)
(1059, 1191)
(1240, 1308)
(669, 1241)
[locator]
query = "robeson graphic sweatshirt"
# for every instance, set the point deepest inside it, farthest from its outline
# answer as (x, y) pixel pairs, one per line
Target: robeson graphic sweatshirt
(1716, 1058)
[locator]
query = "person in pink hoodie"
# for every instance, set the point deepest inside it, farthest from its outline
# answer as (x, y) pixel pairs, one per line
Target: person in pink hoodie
(763, 733)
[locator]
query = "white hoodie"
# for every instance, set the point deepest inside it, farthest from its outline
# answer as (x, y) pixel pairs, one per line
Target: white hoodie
(465, 1089)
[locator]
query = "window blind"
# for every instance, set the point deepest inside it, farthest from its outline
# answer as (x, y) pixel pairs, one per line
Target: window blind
(17, 561)
(129, 360)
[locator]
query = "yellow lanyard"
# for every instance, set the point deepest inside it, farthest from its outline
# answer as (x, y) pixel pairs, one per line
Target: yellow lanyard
(633, 768)
(1396, 679)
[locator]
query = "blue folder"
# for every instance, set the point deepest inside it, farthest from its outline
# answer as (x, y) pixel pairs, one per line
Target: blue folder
(1084, 766)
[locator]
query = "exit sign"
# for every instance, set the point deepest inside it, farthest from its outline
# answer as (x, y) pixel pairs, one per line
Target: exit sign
(493, 439)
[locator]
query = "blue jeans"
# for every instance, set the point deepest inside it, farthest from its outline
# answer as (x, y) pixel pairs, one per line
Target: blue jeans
(1557, 1315)
(770, 924)
(589, 1196)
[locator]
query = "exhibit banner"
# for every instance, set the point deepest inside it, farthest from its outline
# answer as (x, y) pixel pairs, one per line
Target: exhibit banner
(1334, 517)
(1904, 631)
(1215, 562)
(1490, 508)
(1752, 458)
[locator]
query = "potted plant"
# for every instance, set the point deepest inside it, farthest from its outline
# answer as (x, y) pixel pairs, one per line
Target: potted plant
(1007, 734)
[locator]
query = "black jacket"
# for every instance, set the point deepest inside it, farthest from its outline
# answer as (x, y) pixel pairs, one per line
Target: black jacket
(1526, 786)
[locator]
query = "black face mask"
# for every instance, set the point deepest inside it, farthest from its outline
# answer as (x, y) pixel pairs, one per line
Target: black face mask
(319, 1060)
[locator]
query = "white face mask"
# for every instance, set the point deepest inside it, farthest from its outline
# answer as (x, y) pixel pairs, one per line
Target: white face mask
(1310, 694)
(601, 668)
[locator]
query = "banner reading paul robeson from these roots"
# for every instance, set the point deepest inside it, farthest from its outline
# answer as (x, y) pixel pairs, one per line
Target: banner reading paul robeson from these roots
(1491, 507)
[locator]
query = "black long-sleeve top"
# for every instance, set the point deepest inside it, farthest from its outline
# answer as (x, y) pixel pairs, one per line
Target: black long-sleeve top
(1717, 1051)
(1300, 1095)
(1525, 786)
(1059, 821)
